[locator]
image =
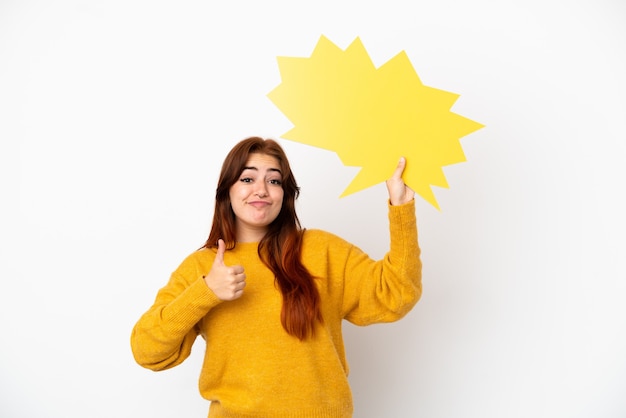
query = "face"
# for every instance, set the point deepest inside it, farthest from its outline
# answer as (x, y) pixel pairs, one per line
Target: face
(256, 197)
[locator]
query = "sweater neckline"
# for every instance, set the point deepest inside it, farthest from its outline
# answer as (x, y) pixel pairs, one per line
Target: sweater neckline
(246, 245)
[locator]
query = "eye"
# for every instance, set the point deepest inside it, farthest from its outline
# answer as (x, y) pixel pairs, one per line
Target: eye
(246, 180)
(276, 182)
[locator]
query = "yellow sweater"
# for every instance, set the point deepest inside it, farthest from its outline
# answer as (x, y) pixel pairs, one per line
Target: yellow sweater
(252, 367)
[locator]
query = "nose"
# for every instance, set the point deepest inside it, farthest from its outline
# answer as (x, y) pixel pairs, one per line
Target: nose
(261, 189)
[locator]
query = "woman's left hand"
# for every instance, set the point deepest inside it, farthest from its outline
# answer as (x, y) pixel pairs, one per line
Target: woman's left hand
(399, 192)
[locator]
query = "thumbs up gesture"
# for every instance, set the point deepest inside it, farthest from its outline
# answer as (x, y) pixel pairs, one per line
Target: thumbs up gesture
(399, 193)
(227, 282)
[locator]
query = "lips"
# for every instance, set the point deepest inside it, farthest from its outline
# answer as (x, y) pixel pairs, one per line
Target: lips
(259, 204)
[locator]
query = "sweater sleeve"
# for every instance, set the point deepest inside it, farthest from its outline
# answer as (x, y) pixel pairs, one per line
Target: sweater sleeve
(385, 290)
(164, 335)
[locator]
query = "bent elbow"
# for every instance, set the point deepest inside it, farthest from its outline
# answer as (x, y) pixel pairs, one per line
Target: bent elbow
(143, 355)
(401, 304)
(148, 354)
(410, 299)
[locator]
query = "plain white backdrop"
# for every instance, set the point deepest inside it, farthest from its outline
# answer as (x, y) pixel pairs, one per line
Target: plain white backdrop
(114, 120)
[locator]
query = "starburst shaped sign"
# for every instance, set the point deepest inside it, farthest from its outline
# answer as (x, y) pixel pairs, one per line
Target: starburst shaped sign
(339, 101)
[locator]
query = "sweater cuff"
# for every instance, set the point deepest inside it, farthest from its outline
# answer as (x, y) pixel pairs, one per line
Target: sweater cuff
(203, 296)
(400, 214)
(193, 304)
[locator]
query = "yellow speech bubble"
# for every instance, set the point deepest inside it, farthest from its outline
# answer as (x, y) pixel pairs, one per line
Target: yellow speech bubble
(339, 101)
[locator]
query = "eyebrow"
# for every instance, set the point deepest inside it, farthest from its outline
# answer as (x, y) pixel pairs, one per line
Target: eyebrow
(256, 169)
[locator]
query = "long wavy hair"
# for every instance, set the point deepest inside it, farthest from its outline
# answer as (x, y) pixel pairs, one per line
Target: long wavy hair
(280, 248)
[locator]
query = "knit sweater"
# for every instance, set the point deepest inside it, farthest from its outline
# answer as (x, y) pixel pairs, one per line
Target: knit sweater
(252, 367)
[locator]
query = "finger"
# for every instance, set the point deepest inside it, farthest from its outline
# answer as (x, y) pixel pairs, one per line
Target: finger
(236, 270)
(221, 249)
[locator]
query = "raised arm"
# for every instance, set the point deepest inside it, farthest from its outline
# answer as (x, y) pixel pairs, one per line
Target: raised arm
(386, 290)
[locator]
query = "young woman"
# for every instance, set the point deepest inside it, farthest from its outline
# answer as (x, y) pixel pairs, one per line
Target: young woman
(269, 297)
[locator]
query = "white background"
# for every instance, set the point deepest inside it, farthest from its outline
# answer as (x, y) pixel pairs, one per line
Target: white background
(114, 120)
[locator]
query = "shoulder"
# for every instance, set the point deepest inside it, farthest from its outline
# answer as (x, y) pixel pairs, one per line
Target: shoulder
(317, 239)
(200, 255)
(197, 261)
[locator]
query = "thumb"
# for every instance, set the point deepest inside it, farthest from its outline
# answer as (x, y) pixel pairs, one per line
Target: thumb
(221, 248)
(397, 174)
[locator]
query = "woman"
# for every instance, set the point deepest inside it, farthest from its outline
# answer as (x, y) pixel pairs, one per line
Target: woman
(269, 297)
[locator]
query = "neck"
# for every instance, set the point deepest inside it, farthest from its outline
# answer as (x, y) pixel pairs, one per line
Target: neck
(247, 234)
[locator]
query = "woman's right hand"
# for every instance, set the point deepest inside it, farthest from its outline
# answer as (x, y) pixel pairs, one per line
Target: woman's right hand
(227, 282)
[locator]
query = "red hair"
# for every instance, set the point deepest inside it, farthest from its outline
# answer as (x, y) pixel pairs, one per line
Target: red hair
(280, 248)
